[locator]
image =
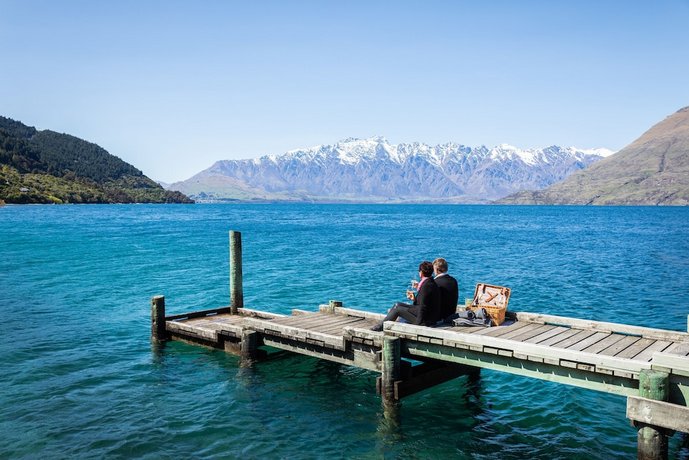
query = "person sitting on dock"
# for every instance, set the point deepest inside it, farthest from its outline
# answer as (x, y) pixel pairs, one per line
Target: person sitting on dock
(449, 291)
(426, 307)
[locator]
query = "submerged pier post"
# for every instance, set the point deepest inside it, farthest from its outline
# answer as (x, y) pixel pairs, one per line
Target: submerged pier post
(392, 353)
(236, 289)
(248, 347)
(652, 441)
(158, 332)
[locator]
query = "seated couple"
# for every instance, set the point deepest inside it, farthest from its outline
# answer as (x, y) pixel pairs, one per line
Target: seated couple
(435, 300)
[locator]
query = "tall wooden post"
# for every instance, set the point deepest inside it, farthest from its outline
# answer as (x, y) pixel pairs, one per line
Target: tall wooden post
(236, 289)
(158, 333)
(392, 354)
(651, 440)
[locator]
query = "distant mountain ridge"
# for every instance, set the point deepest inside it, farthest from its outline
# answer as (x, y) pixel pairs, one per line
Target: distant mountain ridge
(49, 167)
(652, 170)
(374, 170)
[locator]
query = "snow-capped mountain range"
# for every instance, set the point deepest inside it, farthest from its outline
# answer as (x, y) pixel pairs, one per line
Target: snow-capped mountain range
(374, 170)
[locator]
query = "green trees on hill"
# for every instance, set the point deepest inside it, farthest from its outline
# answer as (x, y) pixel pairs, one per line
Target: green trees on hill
(49, 167)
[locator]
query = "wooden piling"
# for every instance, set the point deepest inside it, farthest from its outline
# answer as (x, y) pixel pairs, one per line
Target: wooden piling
(652, 441)
(392, 353)
(249, 347)
(236, 289)
(158, 332)
(334, 304)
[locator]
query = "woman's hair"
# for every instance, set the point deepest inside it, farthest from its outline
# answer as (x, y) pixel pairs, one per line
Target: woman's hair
(440, 265)
(426, 268)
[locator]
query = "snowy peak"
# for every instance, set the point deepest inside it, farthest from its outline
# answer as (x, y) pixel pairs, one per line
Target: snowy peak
(373, 169)
(352, 151)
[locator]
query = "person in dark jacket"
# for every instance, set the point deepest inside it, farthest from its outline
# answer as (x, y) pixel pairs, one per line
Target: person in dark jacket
(426, 307)
(449, 291)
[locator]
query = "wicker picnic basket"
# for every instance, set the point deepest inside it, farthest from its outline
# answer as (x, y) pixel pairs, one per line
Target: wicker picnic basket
(494, 299)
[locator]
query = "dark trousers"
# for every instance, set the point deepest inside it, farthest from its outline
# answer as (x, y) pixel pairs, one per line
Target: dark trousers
(401, 310)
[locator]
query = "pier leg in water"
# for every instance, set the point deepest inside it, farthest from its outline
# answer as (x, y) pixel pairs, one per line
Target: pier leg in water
(236, 289)
(158, 332)
(392, 354)
(248, 348)
(652, 441)
(391, 417)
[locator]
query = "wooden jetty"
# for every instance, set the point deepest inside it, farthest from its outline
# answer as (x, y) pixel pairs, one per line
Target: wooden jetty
(648, 366)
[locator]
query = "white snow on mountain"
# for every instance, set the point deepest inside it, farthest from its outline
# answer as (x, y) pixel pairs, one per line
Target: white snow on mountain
(373, 169)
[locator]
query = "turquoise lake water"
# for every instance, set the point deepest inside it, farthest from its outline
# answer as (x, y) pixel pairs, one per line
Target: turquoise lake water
(80, 378)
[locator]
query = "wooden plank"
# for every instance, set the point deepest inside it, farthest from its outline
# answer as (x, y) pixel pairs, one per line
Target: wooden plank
(337, 329)
(352, 312)
(626, 342)
(522, 348)
(658, 413)
(603, 344)
(472, 329)
(516, 332)
(223, 311)
(678, 364)
(502, 331)
(639, 346)
(376, 338)
(312, 323)
(552, 333)
(532, 333)
(363, 360)
(588, 341)
(295, 333)
(497, 331)
(682, 349)
(250, 313)
(659, 334)
(198, 313)
(647, 354)
(576, 338)
(561, 337)
(302, 319)
(186, 329)
(316, 323)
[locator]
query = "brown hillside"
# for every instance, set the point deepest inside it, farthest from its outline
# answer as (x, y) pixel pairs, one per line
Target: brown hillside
(652, 170)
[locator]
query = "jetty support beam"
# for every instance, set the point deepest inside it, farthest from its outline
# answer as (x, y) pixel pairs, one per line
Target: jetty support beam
(391, 363)
(429, 374)
(236, 289)
(158, 332)
(652, 440)
(249, 347)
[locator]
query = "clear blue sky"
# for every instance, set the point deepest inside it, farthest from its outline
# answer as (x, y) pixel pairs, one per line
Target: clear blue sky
(171, 87)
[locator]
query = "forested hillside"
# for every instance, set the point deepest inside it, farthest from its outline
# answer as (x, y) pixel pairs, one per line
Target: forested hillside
(49, 167)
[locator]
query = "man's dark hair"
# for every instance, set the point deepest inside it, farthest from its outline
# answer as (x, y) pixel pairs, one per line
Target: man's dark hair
(426, 268)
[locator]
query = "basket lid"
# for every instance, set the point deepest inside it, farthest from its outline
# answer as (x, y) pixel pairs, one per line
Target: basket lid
(491, 295)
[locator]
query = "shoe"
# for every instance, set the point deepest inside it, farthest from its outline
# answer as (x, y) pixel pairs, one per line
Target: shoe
(377, 327)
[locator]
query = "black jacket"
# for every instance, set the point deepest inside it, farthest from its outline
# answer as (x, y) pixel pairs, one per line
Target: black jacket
(427, 303)
(449, 294)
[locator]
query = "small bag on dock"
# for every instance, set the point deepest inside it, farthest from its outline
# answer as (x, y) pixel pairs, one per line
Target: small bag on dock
(480, 318)
(493, 299)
